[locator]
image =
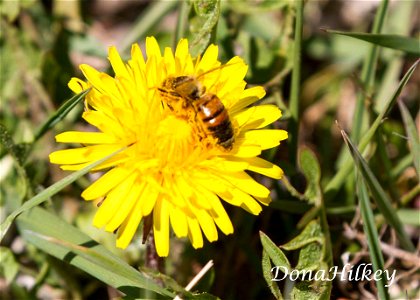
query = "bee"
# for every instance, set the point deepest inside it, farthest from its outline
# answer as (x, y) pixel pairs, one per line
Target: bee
(185, 93)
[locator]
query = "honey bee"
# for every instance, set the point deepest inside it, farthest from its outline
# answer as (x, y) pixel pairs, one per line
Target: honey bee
(185, 93)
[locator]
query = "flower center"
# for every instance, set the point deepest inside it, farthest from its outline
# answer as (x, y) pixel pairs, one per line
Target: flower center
(176, 140)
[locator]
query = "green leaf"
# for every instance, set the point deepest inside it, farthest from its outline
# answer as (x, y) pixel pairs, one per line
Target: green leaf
(276, 255)
(381, 198)
(266, 268)
(336, 182)
(308, 291)
(50, 191)
(203, 24)
(372, 238)
(57, 238)
(60, 114)
(393, 41)
(309, 165)
(413, 136)
(9, 267)
(310, 257)
(312, 233)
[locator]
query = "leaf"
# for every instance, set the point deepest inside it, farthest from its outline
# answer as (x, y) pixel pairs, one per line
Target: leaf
(203, 24)
(413, 136)
(9, 267)
(275, 253)
(372, 238)
(310, 257)
(336, 182)
(381, 198)
(266, 268)
(393, 41)
(60, 114)
(308, 291)
(50, 191)
(57, 238)
(312, 233)
(309, 165)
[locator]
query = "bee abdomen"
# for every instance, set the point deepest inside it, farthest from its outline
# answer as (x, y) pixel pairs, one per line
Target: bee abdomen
(216, 119)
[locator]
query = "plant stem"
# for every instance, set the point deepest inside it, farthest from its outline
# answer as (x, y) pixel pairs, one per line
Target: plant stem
(295, 84)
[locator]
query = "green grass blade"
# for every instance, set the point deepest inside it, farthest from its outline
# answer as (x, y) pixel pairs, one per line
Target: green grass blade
(381, 198)
(181, 25)
(336, 182)
(368, 73)
(295, 84)
(372, 238)
(57, 238)
(60, 114)
(413, 136)
(151, 16)
(393, 41)
(48, 192)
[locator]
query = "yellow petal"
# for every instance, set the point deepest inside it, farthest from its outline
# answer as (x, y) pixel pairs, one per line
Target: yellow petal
(101, 81)
(257, 116)
(161, 227)
(152, 48)
(219, 213)
(82, 155)
(223, 165)
(104, 123)
(116, 62)
(118, 159)
(209, 60)
(194, 233)
(113, 201)
(265, 138)
(105, 183)
(207, 224)
(129, 227)
(264, 201)
(127, 203)
(248, 97)
(77, 85)
(246, 183)
(243, 150)
(169, 62)
(148, 198)
(137, 56)
(178, 221)
(85, 137)
(266, 168)
(248, 203)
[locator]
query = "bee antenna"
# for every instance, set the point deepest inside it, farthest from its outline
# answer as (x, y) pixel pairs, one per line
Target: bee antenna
(217, 68)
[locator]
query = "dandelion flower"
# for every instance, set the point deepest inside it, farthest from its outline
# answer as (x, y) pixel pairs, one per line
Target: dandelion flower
(171, 169)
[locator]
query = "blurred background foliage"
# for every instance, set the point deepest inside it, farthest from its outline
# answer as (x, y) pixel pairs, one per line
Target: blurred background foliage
(43, 42)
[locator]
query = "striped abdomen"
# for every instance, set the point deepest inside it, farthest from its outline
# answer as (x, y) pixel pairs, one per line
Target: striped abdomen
(212, 112)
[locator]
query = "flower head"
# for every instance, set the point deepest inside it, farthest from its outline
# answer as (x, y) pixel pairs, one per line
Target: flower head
(184, 154)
